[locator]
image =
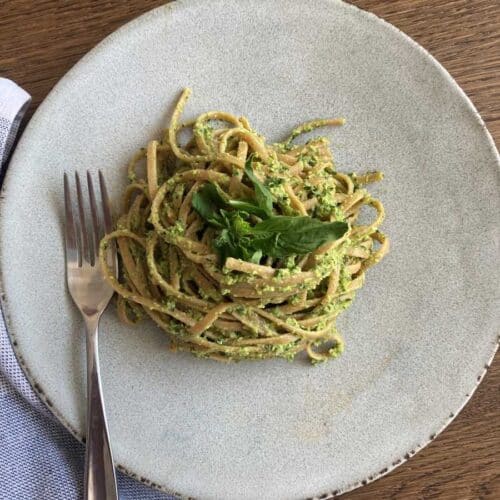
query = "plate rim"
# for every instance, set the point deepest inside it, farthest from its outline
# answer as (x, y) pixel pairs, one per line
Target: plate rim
(39, 113)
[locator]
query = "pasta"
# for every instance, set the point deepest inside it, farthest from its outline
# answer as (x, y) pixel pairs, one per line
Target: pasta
(240, 249)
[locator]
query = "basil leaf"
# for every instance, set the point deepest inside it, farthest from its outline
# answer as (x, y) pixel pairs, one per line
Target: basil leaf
(262, 194)
(309, 239)
(210, 198)
(284, 223)
(207, 202)
(248, 207)
(285, 235)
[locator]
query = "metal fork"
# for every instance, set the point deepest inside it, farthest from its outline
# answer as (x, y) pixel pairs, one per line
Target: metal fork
(91, 295)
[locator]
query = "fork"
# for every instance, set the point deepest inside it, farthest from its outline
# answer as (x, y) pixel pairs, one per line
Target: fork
(91, 294)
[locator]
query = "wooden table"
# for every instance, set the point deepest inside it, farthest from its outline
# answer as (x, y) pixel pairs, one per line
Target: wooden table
(41, 39)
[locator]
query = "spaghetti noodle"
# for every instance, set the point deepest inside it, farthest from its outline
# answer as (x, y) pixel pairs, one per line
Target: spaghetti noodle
(197, 250)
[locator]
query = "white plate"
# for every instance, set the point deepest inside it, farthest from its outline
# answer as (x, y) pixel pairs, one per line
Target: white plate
(420, 332)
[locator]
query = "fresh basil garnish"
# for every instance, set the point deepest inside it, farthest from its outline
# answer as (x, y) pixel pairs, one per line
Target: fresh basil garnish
(275, 236)
(263, 196)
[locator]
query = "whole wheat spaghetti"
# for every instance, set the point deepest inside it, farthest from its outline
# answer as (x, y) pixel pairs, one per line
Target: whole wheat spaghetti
(241, 249)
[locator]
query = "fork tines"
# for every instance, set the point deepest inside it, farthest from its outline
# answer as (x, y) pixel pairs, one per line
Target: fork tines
(83, 231)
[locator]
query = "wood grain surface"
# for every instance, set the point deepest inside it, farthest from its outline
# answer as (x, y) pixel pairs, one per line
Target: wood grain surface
(41, 39)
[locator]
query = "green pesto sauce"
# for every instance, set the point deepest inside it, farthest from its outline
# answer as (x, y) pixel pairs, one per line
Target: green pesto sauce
(328, 262)
(276, 178)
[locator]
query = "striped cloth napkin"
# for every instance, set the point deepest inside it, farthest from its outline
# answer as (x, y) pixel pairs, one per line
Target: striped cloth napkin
(39, 459)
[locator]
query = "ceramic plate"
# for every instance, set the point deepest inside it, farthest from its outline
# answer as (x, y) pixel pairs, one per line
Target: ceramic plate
(420, 333)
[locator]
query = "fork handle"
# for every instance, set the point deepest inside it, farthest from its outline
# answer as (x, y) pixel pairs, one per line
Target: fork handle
(100, 478)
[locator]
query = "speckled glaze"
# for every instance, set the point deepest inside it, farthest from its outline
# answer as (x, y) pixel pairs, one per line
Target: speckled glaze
(421, 332)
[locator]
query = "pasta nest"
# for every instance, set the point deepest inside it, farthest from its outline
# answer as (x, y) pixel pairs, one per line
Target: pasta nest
(229, 308)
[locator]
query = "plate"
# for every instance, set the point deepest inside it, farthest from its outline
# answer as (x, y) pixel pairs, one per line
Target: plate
(420, 333)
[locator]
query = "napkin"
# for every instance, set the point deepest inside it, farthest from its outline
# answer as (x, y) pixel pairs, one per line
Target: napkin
(39, 458)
